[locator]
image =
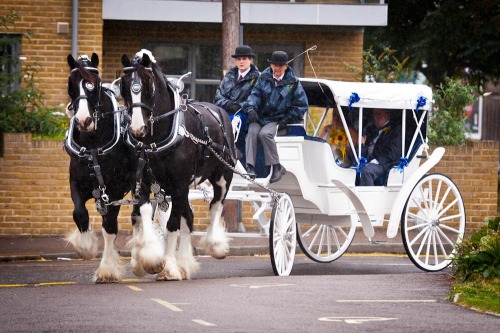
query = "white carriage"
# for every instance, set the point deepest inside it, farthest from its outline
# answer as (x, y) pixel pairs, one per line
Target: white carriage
(318, 204)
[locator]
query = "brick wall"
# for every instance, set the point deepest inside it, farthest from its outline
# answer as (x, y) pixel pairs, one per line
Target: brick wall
(50, 49)
(473, 168)
(35, 197)
(334, 45)
(111, 39)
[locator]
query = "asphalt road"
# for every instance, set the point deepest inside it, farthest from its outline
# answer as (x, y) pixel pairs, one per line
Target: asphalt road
(358, 293)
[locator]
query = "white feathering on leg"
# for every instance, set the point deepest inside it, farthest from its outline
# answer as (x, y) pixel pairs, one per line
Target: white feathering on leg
(111, 268)
(151, 255)
(185, 259)
(85, 243)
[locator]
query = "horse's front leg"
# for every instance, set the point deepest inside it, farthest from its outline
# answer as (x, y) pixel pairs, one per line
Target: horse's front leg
(148, 246)
(171, 272)
(83, 237)
(215, 241)
(111, 268)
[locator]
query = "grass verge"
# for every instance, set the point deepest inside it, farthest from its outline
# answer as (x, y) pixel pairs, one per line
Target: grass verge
(480, 295)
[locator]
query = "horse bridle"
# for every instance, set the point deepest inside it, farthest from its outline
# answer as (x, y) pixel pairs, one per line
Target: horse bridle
(90, 86)
(136, 88)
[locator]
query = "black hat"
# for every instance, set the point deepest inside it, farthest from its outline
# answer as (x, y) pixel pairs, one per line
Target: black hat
(278, 58)
(243, 51)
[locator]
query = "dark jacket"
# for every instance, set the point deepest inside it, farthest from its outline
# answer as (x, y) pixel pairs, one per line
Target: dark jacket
(230, 90)
(286, 101)
(387, 150)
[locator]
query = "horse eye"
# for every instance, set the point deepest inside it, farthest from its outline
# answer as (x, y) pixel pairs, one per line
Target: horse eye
(89, 86)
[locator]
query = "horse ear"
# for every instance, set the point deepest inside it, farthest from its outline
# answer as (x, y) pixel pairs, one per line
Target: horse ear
(71, 61)
(126, 61)
(95, 60)
(146, 61)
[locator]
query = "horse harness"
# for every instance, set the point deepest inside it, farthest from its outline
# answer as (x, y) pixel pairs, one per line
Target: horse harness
(177, 135)
(90, 156)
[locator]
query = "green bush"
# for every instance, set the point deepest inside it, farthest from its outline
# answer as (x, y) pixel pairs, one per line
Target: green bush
(478, 256)
(446, 124)
(23, 110)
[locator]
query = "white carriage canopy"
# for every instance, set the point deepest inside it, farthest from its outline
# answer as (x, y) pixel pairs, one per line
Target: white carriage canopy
(415, 99)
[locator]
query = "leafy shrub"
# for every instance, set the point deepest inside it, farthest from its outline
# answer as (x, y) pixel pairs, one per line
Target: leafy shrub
(446, 124)
(23, 110)
(478, 256)
(385, 67)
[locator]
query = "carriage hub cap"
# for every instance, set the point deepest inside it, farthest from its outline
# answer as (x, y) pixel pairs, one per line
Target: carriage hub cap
(435, 222)
(136, 88)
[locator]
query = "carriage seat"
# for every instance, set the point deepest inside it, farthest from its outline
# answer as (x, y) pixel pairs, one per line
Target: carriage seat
(382, 180)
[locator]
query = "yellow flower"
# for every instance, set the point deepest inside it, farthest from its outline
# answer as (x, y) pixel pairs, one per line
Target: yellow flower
(338, 139)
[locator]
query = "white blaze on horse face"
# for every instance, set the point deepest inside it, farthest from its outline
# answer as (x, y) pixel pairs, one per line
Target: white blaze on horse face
(137, 124)
(83, 112)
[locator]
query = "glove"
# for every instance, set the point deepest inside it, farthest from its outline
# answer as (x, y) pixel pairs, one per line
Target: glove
(281, 125)
(232, 107)
(252, 116)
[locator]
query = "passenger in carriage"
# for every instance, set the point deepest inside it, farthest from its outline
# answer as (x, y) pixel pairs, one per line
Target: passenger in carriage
(235, 88)
(276, 100)
(336, 136)
(382, 149)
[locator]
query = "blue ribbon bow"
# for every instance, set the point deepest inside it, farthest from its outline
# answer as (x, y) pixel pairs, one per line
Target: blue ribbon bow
(403, 163)
(354, 98)
(361, 165)
(421, 101)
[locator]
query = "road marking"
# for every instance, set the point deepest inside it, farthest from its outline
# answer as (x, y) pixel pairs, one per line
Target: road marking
(386, 300)
(43, 284)
(134, 288)
(355, 320)
(202, 322)
(259, 286)
(13, 285)
(166, 304)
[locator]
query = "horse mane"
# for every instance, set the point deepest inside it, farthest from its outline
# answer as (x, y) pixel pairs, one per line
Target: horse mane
(85, 73)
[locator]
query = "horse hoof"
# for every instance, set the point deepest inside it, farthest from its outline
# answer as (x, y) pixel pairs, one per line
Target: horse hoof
(154, 268)
(165, 277)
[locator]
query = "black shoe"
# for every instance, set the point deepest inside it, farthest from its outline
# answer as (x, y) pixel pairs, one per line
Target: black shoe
(278, 172)
(251, 171)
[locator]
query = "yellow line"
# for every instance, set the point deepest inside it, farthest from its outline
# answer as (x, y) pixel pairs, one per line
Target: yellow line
(134, 288)
(202, 322)
(13, 285)
(43, 284)
(166, 304)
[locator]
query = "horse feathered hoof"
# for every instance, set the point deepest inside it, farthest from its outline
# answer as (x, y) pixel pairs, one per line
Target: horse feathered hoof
(154, 267)
(85, 243)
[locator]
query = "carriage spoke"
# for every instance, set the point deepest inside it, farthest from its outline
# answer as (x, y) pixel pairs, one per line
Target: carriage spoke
(321, 240)
(445, 196)
(441, 246)
(445, 237)
(447, 208)
(419, 235)
(424, 240)
(436, 259)
(451, 217)
(444, 226)
(438, 190)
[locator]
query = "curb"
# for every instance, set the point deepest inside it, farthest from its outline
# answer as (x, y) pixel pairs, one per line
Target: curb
(237, 251)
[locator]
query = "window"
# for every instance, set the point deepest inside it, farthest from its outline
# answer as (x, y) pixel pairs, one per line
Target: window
(204, 61)
(10, 68)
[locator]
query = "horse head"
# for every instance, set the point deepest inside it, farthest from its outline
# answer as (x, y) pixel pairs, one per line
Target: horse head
(84, 89)
(144, 92)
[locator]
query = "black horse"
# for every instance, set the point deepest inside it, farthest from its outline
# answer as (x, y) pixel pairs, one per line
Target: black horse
(100, 165)
(175, 142)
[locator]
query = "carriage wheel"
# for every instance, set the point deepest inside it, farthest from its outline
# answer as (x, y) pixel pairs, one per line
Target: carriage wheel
(282, 236)
(325, 242)
(433, 222)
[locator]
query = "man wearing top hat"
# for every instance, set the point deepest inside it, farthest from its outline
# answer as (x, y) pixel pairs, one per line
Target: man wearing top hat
(276, 100)
(236, 86)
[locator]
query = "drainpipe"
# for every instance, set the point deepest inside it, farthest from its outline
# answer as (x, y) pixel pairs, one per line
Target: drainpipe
(74, 30)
